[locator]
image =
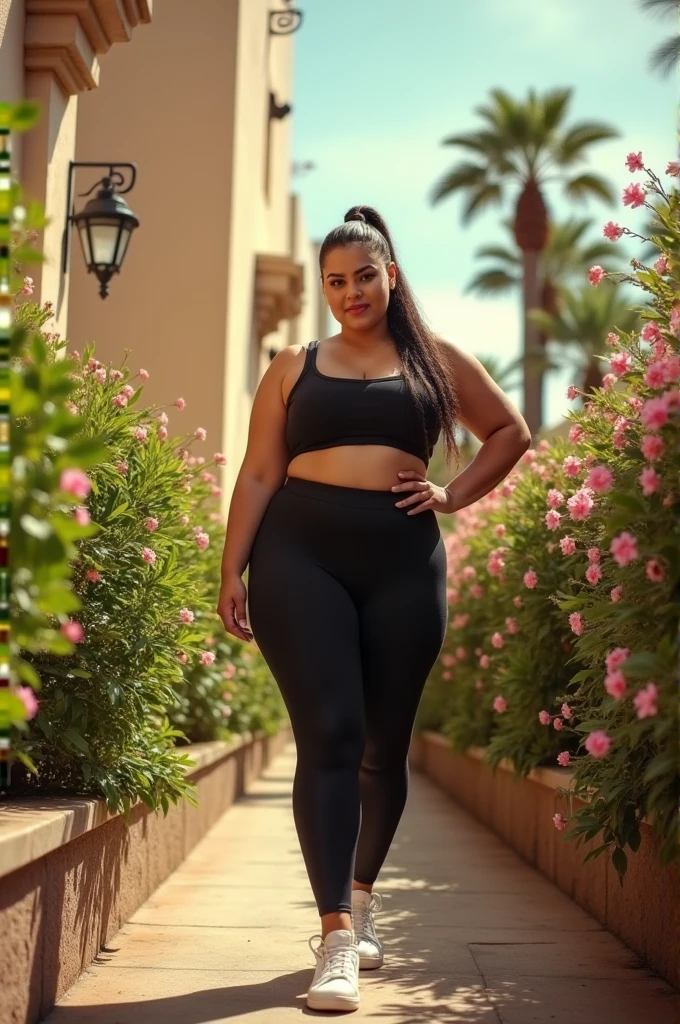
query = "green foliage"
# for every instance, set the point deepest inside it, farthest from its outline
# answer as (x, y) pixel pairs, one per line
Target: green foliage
(589, 612)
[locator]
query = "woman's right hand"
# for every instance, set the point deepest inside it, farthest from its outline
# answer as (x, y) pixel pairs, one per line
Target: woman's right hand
(231, 608)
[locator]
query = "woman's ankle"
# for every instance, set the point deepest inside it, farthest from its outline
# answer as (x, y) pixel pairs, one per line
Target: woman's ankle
(335, 922)
(362, 887)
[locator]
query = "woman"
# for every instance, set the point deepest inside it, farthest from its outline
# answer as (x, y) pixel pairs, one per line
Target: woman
(334, 514)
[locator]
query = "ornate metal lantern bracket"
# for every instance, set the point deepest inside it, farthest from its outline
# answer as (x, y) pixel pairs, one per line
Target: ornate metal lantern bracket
(284, 23)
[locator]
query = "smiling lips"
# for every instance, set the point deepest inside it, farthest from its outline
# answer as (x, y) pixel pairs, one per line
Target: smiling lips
(357, 309)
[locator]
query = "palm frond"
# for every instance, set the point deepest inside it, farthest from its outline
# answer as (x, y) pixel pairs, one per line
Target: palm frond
(497, 252)
(462, 176)
(666, 56)
(663, 8)
(585, 185)
(570, 147)
(488, 194)
(495, 281)
(553, 108)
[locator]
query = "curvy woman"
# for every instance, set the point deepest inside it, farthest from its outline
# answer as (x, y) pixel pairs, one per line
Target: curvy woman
(334, 515)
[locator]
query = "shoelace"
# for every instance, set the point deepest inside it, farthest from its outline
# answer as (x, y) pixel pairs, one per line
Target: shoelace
(338, 961)
(366, 924)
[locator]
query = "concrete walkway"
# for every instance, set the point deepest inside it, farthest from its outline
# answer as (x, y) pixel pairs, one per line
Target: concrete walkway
(473, 934)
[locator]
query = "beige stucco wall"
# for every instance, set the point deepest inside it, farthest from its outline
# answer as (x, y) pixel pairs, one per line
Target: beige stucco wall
(12, 62)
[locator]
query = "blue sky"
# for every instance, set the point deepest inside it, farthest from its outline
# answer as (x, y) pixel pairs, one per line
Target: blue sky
(379, 83)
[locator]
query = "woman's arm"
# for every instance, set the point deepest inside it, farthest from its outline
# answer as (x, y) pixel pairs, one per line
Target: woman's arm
(490, 415)
(262, 473)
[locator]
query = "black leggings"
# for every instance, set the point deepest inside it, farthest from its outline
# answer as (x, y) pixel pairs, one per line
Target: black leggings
(347, 603)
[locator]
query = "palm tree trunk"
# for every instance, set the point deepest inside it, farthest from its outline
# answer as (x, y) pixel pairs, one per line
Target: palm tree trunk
(533, 350)
(592, 377)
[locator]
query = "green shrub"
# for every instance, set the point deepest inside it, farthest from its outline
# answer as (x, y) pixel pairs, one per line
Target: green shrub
(594, 523)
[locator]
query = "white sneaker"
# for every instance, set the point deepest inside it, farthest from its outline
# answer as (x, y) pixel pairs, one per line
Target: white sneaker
(364, 906)
(335, 985)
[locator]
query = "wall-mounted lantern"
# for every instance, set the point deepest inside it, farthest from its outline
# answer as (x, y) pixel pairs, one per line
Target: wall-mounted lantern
(104, 225)
(284, 23)
(277, 111)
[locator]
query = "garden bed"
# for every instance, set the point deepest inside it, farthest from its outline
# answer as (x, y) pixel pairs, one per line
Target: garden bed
(644, 912)
(71, 874)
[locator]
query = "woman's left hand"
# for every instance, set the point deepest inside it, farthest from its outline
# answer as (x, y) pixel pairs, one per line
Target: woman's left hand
(427, 495)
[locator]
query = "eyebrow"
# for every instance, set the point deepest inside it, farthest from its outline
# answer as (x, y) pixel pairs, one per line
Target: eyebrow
(369, 266)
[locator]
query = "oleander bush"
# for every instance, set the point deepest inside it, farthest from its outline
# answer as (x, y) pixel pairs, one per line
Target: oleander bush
(565, 582)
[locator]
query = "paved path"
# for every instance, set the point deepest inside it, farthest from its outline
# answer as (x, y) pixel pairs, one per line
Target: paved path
(473, 934)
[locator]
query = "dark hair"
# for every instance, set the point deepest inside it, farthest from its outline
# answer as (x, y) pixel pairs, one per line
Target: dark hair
(417, 345)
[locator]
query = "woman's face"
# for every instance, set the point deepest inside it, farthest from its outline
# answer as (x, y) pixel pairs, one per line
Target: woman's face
(357, 286)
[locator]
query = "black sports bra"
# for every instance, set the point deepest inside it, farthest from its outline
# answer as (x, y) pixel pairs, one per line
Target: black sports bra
(324, 413)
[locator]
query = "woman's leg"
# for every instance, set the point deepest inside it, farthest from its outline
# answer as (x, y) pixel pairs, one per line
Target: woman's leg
(403, 625)
(307, 628)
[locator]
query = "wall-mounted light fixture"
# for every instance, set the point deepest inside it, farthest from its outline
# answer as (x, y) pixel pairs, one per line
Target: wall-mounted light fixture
(277, 111)
(284, 23)
(104, 225)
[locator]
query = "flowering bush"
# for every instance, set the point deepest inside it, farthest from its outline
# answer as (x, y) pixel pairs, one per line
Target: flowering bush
(144, 635)
(565, 580)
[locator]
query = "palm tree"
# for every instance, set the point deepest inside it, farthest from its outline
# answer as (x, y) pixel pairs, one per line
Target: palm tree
(664, 58)
(585, 318)
(565, 260)
(525, 145)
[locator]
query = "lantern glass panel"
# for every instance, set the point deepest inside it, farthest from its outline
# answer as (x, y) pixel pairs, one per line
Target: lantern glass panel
(104, 235)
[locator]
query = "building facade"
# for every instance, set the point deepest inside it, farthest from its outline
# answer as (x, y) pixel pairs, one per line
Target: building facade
(221, 272)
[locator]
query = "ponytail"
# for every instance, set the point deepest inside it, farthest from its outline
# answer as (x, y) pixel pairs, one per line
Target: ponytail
(418, 348)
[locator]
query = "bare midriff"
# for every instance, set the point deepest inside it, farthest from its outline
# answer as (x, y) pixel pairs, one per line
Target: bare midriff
(372, 467)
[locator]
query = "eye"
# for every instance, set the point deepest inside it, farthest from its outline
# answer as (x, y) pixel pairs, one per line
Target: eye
(367, 277)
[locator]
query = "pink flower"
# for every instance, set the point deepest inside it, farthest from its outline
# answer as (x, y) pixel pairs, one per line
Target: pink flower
(635, 402)
(144, 375)
(624, 548)
(183, 657)
(151, 524)
(115, 375)
(28, 288)
(576, 433)
(581, 504)
(564, 758)
(654, 571)
(141, 433)
(81, 516)
(446, 675)
(576, 623)
(517, 601)
(28, 699)
(558, 724)
(633, 195)
(615, 593)
(594, 554)
(661, 265)
(634, 162)
(655, 374)
(568, 545)
(615, 684)
(128, 391)
(651, 447)
(200, 433)
(600, 479)
(552, 519)
(650, 332)
(671, 368)
(555, 498)
(186, 615)
(559, 822)
(122, 467)
(180, 403)
(499, 529)
(184, 520)
(673, 168)
(595, 274)
(93, 576)
(162, 433)
(598, 743)
(73, 631)
(74, 481)
(572, 392)
(100, 375)
(620, 363)
(572, 465)
(608, 381)
(476, 591)
(484, 661)
(649, 481)
(612, 231)
(616, 658)
(202, 540)
(149, 555)
(645, 701)
(612, 339)
(229, 671)
(220, 459)
(500, 704)
(544, 717)
(530, 579)
(593, 574)
(497, 640)
(566, 711)
(469, 573)
(448, 660)
(511, 625)
(72, 408)
(207, 658)
(461, 653)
